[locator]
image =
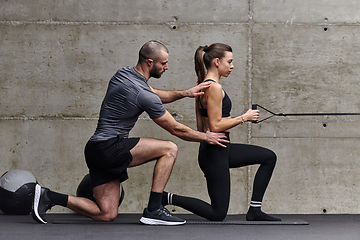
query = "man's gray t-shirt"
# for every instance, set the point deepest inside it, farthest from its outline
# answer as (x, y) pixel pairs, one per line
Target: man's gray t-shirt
(128, 95)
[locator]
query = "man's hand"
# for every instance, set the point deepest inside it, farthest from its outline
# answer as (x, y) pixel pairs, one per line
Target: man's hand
(216, 138)
(195, 91)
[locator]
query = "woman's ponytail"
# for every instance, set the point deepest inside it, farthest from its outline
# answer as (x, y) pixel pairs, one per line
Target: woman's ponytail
(199, 64)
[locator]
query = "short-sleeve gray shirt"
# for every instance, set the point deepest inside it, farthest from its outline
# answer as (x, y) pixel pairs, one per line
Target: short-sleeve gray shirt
(128, 95)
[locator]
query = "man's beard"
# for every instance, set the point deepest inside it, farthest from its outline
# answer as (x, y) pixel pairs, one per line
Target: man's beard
(154, 73)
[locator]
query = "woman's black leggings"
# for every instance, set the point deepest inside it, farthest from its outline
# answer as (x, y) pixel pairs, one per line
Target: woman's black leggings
(216, 161)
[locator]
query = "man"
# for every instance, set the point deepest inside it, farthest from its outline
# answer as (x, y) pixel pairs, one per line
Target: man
(110, 151)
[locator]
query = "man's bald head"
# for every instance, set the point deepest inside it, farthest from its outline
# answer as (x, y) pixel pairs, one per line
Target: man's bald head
(151, 50)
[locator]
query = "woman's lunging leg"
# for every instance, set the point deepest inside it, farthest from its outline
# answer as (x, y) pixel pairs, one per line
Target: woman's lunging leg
(214, 164)
(244, 155)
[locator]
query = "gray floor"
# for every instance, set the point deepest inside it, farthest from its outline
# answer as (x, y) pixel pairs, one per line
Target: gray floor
(126, 226)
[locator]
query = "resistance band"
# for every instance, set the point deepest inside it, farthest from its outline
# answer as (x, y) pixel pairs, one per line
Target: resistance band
(255, 106)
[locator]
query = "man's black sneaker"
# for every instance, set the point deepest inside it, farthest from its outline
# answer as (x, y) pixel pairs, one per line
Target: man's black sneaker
(41, 204)
(160, 216)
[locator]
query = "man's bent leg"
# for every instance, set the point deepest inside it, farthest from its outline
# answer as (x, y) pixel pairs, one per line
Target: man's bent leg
(165, 152)
(107, 198)
(106, 208)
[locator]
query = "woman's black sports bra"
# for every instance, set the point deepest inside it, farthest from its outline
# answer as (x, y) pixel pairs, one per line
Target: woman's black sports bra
(226, 105)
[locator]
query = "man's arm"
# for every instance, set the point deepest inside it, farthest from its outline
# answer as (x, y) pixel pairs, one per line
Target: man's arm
(171, 96)
(184, 132)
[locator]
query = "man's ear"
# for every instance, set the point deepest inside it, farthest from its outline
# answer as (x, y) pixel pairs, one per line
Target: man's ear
(149, 62)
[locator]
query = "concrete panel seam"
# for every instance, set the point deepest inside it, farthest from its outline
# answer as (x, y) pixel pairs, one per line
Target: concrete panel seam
(49, 22)
(288, 24)
(80, 118)
(24, 118)
(250, 76)
(310, 137)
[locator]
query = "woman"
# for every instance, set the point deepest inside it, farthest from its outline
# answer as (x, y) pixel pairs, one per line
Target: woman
(213, 112)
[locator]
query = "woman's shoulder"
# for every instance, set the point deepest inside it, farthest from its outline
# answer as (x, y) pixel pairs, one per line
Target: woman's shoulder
(214, 85)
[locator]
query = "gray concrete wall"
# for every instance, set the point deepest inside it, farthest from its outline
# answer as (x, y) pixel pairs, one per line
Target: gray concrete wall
(290, 56)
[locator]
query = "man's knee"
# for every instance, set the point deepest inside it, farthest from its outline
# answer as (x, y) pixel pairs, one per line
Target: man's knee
(171, 149)
(107, 216)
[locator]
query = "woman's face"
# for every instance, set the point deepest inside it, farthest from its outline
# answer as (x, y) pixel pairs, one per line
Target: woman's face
(226, 64)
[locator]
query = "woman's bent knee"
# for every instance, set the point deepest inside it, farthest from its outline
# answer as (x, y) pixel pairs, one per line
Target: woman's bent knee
(217, 217)
(273, 157)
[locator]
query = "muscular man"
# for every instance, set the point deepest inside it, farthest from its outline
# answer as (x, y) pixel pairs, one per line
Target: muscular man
(110, 151)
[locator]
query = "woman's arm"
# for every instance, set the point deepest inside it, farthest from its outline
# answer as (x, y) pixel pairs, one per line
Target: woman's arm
(214, 108)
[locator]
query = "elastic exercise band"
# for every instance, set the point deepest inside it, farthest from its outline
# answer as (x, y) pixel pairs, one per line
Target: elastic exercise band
(255, 106)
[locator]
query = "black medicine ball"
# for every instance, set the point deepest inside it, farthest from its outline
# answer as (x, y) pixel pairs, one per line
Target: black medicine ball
(17, 189)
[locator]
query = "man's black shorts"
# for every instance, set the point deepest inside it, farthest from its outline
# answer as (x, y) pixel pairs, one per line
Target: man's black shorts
(108, 160)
